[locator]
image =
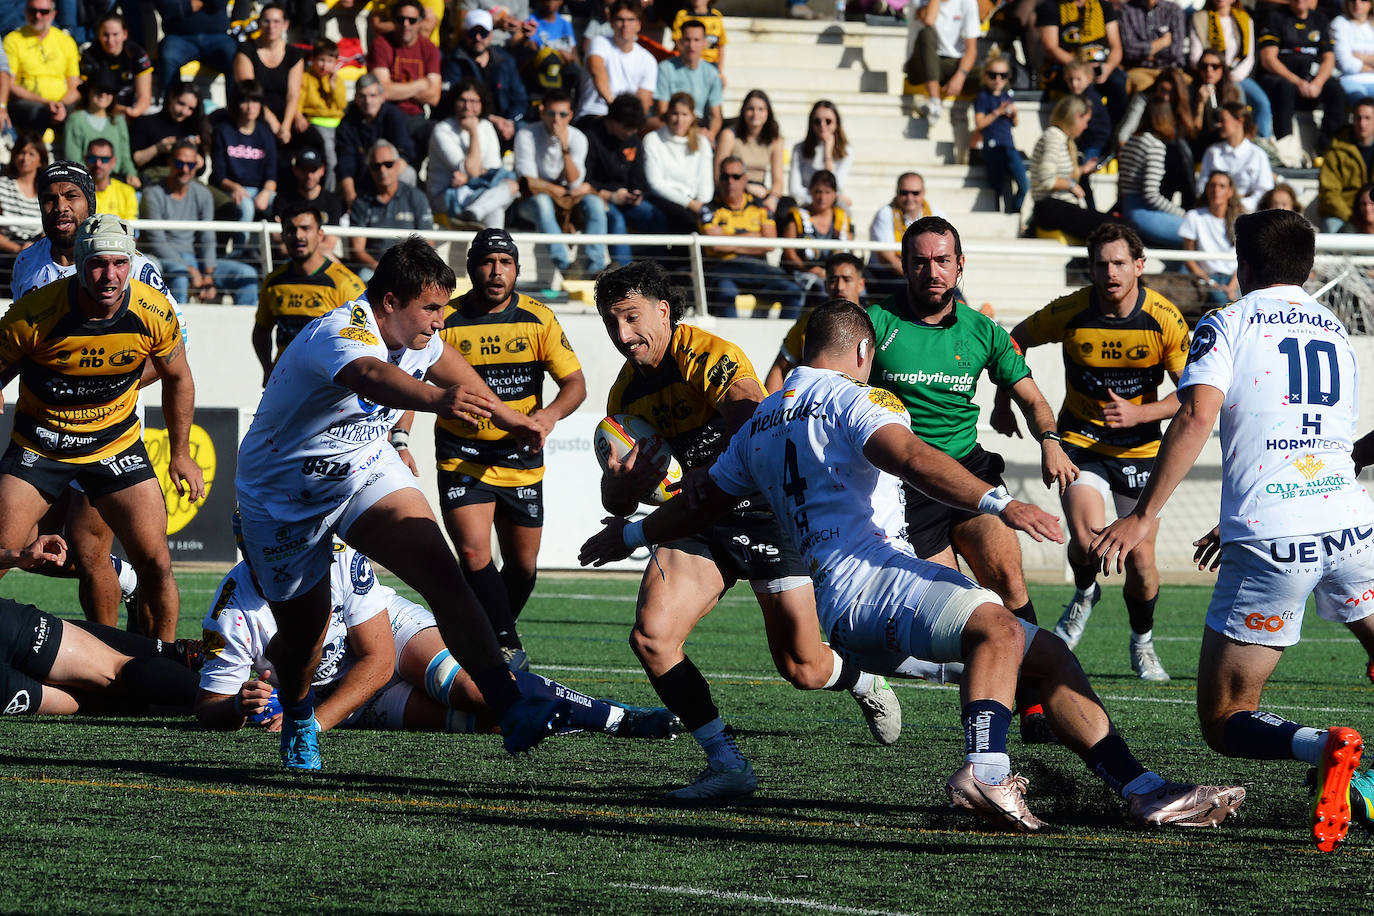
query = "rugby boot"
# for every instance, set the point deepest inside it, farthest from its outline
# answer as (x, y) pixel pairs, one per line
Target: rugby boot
(1145, 663)
(532, 720)
(646, 722)
(1362, 799)
(1075, 617)
(1331, 800)
(300, 744)
(881, 711)
(718, 783)
(1182, 805)
(1002, 805)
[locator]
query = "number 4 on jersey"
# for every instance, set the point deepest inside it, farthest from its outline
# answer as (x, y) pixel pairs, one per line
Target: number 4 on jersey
(794, 484)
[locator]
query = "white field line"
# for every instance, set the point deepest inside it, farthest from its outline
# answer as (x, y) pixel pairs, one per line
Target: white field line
(756, 898)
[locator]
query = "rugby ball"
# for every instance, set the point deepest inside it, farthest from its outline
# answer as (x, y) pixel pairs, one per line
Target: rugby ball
(618, 434)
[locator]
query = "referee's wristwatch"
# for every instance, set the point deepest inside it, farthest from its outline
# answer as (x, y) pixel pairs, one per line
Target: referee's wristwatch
(1050, 435)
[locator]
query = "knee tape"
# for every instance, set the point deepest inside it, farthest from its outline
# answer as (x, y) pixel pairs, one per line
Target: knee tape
(439, 676)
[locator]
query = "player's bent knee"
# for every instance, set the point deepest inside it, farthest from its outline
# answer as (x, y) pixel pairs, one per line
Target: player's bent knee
(804, 674)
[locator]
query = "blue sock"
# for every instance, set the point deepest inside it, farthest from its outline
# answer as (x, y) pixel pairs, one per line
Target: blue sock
(986, 723)
(1259, 736)
(305, 709)
(588, 714)
(719, 744)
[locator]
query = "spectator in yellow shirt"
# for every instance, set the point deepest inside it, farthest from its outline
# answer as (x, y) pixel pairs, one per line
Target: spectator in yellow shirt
(46, 66)
(323, 99)
(111, 194)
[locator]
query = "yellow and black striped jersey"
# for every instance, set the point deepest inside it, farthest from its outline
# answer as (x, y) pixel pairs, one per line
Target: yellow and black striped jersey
(79, 377)
(511, 350)
(291, 299)
(681, 397)
(1126, 355)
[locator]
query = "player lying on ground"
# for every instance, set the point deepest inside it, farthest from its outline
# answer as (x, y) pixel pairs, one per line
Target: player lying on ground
(383, 666)
(829, 454)
(53, 667)
(1294, 520)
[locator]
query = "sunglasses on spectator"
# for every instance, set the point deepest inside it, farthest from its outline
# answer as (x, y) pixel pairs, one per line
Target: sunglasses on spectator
(408, 20)
(558, 114)
(998, 74)
(1209, 65)
(100, 160)
(378, 166)
(731, 176)
(41, 10)
(479, 32)
(184, 165)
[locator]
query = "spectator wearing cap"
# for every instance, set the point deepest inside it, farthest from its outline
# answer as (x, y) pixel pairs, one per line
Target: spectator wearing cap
(615, 169)
(309, 187)
(95, 118)
(551, 160)
(193, 30)
(369, 119)
(188, 258)
(390, 204)
(689, 73)
(618, 64)
(466, 179)
(476, 58)
(46, 69)
(407, 67)
(111, 194)
(113, 53)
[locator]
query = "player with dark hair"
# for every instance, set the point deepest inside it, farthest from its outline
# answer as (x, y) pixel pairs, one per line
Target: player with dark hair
(696, 389)
(486, 476)
(1295, 521)
(844, 279)
(932, 349)
(1119, 338)
(316, 462)
(825, 454)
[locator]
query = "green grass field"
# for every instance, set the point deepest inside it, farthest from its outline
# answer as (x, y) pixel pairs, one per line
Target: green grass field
(153, 815)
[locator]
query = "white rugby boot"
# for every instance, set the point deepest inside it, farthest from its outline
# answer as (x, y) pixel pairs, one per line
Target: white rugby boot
(1075, 617)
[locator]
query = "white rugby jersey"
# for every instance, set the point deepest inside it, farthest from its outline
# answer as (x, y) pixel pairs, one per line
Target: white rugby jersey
(34, 268)
(313, 441)
(239, 624)
(1288, 422)
(803, 449)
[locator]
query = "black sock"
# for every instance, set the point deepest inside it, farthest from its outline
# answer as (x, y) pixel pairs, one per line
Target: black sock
(491, 594)
(587, 713)
(1141, 611)
(1083, 576)
(133, 645)
(1025, 612)
(519, 587)
(160, 682)
(1259, 736)
(849, 675)
(1113, 763)
(686, 694)
(498, 688)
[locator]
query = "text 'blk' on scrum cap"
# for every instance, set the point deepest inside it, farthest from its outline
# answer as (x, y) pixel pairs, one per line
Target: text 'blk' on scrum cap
(103, 234)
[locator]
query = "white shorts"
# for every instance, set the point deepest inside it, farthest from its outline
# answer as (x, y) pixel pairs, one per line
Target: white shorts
(408, 619)
(1123, 503)
(1262, 586)
(384, 710)
(911, 607)
(290, 558)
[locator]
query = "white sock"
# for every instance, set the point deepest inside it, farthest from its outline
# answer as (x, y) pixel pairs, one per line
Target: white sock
(864, 686)
(1308, 744)
(990, 768)
(613, 719)
(1142, 639)
(1148, 781)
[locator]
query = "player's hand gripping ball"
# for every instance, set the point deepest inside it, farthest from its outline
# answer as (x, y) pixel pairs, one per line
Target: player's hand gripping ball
(618, 434)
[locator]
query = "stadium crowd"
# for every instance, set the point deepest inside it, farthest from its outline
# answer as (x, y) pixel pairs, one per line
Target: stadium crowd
(848, 509)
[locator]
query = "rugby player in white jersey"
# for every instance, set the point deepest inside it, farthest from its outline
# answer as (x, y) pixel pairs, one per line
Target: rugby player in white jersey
(1294, 520)
(829, 454)
(316, 462)
(66, 197)
(383, 666)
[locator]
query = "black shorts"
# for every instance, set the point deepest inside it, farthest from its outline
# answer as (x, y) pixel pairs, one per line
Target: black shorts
(523, 506)
(29, 640)
(929, 521)
(97, 478)
(1124, 476)
(746, 546)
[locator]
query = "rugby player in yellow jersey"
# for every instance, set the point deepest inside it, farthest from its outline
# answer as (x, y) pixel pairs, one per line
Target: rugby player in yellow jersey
(696, 389)
(486, 477)
(309, 284)
(844, 279)
(1119, 339)
(80, 345)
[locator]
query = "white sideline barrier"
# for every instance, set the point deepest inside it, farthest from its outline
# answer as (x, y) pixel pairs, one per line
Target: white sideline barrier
(227, 375)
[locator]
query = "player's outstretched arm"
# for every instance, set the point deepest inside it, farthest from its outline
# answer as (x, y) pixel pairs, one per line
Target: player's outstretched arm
(457, 377)
(385, 384)
(179, 408)
(374, 661)
(1182, 443)
(895, 449)
(672, 521)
